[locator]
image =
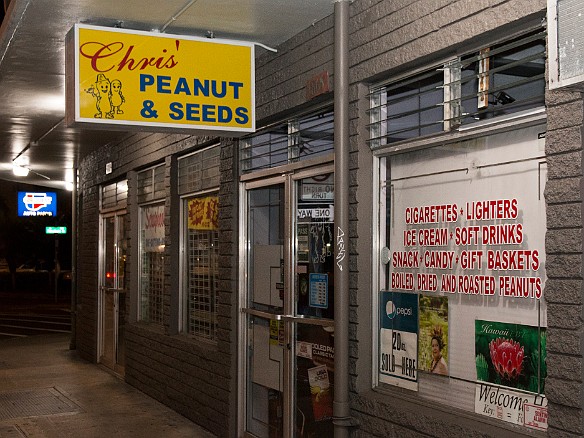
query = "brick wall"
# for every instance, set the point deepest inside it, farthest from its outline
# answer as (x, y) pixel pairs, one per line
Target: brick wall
(192, 378)
(281, 77)
(393, 36)
(87, 243)
(227, 333)
(195, 378)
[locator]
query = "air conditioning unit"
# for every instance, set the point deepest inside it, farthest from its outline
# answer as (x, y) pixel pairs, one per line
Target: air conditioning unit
(566, 44)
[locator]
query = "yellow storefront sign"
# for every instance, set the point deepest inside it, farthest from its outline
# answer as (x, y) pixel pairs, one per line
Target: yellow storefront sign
(119, 78)
(203, 213)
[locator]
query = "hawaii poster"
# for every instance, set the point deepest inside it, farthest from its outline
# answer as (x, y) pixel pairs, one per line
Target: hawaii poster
(511, 355)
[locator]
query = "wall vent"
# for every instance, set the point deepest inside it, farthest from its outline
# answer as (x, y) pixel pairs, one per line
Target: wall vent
(566, 44)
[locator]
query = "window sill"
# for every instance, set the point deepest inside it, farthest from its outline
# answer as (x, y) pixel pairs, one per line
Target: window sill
(485, 127)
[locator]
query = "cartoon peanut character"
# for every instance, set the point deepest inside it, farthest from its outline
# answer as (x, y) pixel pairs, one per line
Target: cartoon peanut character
(117, 98)
(101, 90)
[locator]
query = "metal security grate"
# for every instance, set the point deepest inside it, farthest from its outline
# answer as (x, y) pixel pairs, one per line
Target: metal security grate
(203, 251)
(502, 79)
(34, 403)
(114, 195)
(151, 184)
(499, 80)
(408, 108)
(199, 171)
(152, 287)
(288, 142)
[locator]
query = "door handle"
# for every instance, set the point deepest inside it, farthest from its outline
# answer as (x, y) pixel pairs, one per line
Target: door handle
(308, 320)
(290, 318)
(112, 289)
(262, 314)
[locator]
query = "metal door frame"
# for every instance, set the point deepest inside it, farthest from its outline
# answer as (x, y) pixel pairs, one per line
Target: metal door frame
(288, 179)
(101, 288)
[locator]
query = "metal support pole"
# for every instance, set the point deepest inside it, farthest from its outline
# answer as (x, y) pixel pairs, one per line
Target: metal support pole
(74, 205)
(57, 269)
(341, 408)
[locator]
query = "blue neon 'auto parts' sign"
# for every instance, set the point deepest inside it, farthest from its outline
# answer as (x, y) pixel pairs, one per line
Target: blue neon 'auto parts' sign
(37, 204)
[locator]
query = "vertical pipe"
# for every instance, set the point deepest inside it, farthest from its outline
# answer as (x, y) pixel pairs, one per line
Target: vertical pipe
(341, 409)
(74, 205)
(290, 332)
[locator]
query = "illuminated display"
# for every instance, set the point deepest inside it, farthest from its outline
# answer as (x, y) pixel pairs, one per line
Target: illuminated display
(119, 78)
(37, 204)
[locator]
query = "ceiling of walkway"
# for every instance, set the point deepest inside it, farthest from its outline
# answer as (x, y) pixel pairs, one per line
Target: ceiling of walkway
(32, 64)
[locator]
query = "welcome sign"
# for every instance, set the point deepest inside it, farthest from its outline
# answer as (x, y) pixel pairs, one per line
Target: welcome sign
(121, 79)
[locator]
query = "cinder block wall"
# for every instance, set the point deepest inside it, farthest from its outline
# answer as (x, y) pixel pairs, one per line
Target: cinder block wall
(388, 39)
(281, 77)
(564, 264)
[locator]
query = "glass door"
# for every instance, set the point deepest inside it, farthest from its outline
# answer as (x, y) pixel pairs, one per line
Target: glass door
(288, 308)
(266, 341)
(112, 291)
(313, 287)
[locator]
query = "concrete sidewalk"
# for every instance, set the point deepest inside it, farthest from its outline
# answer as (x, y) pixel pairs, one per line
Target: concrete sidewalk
(46, 391)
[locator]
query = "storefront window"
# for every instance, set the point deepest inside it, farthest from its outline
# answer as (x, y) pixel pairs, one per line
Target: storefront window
(496, 81)
(503, 79)
(297, 139)
(152, 263)
(202, 251)
(150, 186)
(198, 179)
(462, 319)
(114, 195)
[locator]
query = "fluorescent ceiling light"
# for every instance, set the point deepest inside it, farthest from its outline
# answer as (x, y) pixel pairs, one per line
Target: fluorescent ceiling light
(50, 102)
(19, 170)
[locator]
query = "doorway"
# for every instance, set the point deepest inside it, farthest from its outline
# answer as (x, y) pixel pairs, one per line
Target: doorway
(287, 308)
(112, 291)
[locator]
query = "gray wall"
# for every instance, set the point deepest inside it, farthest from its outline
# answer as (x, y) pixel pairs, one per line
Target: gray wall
(564, 249)
(387, 39)
(195, 378)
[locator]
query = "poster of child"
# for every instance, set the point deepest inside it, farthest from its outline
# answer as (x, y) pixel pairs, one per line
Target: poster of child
(433, 337)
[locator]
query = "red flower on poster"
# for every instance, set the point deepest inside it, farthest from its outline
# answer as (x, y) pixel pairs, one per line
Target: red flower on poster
(507, 357)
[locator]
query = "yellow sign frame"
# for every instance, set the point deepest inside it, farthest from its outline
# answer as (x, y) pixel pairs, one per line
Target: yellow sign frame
(122, 79)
